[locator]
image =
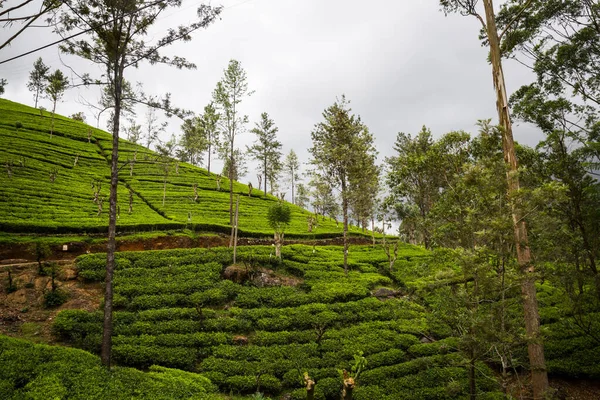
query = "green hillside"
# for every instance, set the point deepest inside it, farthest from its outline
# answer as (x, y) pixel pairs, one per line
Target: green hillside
(175, 310)
(54, 178)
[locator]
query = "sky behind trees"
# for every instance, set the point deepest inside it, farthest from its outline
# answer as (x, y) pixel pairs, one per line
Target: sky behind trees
(401, 64)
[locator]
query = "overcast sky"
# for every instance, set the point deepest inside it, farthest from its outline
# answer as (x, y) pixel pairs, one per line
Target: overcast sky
(402, 64)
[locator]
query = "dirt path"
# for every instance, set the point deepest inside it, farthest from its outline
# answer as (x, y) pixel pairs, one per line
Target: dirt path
(22, 252)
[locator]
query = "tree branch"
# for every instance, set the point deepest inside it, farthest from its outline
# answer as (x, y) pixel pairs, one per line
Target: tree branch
(514, 19)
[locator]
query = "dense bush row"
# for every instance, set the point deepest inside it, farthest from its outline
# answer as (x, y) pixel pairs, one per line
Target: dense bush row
(40, 372)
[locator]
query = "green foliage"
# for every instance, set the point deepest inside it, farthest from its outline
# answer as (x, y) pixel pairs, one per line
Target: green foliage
(30, 191)
(44, 372)
(279, 216)
(55, 298)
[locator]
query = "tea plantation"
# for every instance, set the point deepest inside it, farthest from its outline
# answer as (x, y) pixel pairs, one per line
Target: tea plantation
(56, 177)
(175, 310)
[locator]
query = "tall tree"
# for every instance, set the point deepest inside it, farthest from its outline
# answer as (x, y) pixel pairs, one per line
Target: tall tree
(209, 124)
(291, 166)
(117, 41)
(152, 127)
(341, 143)
(57, 85)
(302, 196)
(3, 83)
(192, 142)
(38, 79)
(266, 149)
(530, 305)
(227, 96)
(414, 180)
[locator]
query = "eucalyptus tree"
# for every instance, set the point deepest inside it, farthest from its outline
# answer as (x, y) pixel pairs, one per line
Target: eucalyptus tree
(3, 83)
(117, 40)
(55, 90)
(227, 96)
(561, 39)
(266, 149)
(493, 39)
(342, 146)
(291, 166)
(38, 79)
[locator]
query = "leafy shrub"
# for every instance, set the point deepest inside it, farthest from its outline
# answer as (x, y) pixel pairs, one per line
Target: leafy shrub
(55, 298)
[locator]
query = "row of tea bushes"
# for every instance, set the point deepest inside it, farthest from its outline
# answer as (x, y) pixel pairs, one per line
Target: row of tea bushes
(40, 372)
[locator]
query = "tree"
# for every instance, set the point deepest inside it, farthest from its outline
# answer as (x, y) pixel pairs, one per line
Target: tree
(3, 83)
(227, 96)
(340, 145)
(57, 84)
(117, 42)
(38, 79)
(152, 127)
(266, 149)
(239, 167)
(133, 132)
(192, 142)
(291, 166)
(524, 258)
(279, 216)
(302, 196)
(414, 180)
(208, 125)
(324, 201)
(363, 191)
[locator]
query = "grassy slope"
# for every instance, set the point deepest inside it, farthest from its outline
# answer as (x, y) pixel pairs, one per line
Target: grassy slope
(30, 202)
(159, 294)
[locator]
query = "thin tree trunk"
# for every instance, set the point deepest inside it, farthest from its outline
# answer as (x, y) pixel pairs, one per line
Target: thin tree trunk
(535, 346)
(345, 213)
(52, 123)
(293, 198)
(112, 226)
(237, 208)
(37, 94)
(231, 160)
(209, 148)
(265, 167)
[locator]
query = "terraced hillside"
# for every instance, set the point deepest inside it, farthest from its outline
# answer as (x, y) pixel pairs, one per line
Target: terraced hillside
(55, 177)
(261, 328)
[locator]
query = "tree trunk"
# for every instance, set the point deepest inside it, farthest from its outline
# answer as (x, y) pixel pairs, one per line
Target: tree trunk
(37, 95)
(231, 160)
(293, 198)
(52, 123)
(348, 387)
(265, 170)
(112, 224)
(535, 346)
(278, 238)
(345, 213)
(209, 148)
(235, 231)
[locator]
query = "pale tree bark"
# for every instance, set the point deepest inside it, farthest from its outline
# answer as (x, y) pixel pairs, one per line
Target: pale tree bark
(535, 346)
